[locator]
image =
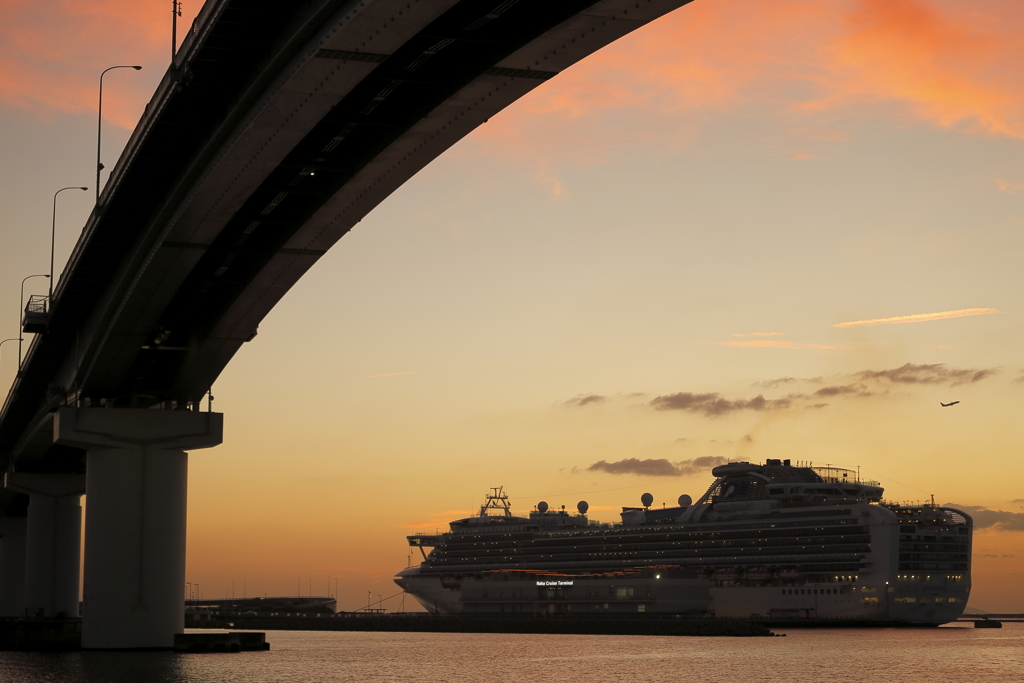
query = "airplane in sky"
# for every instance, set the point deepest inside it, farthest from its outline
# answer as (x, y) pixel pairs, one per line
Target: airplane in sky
(946, 405)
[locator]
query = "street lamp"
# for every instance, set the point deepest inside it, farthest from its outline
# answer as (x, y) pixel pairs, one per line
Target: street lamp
(21, 313)
(7, 340)
(99, 126)
(53, 233)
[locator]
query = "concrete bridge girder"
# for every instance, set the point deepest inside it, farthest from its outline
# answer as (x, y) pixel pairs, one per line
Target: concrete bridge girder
(253, 142)
(300, 99)
(227, 197)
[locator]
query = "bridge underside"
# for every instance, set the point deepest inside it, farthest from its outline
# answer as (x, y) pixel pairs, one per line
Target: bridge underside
(278, 128)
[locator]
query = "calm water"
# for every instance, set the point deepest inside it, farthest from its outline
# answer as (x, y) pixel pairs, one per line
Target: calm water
(906, 656)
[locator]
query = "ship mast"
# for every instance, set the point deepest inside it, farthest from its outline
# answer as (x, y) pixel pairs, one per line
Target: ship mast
(497, 499)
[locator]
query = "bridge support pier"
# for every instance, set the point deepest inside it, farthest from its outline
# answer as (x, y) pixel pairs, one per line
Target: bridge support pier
(12, 566)
(53, 541)
(136, 486)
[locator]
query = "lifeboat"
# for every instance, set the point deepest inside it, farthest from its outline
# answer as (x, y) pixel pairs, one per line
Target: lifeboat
(790, 573)
(758, 574)
(726, 574)
(736, 469)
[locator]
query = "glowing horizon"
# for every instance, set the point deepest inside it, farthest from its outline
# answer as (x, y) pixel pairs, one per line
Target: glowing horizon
(594, 247)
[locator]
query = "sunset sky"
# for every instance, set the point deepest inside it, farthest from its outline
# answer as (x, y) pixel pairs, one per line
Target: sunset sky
(750, 230)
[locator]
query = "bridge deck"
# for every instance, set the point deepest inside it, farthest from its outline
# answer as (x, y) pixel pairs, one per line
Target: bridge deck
(278, 127)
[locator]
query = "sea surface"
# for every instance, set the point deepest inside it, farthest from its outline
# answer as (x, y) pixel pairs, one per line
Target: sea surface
(952, 653)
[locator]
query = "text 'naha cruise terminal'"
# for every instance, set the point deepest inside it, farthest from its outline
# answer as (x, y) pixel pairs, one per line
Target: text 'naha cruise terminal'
(773, 541)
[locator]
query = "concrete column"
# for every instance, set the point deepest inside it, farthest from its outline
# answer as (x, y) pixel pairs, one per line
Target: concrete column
(12, 566)
(136, 484)
(53, 540)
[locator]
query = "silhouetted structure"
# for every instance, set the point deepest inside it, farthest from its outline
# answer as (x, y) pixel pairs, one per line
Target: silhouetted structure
(276, 129)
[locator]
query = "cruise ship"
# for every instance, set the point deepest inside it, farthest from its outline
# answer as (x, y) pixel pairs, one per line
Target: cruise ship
(774, 541)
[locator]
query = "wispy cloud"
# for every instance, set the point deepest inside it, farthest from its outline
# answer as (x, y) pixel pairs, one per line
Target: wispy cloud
(1009, 188)
(713, 405)
(772, 383)
(864, 384)
(844, 390)
(998, 520)
(394, 374)
(948, 64)
(52, 52)
(919, 317)
(586, 399)
(775, 344)
(658, 467)
(934, 373)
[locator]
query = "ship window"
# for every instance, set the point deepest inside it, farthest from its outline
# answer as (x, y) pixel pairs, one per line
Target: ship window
(641, 608)
(870, 601)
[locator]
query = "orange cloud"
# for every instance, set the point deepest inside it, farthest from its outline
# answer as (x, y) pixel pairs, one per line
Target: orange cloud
(946, 63)
(1009, 188)
(919, 317)
(52, 53)
(775, 344)
(961, 63)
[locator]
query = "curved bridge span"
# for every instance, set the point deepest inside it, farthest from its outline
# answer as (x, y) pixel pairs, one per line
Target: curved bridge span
(278, 128)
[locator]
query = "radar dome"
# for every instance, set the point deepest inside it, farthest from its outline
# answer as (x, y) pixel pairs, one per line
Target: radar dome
(647, 499)
(685, 500)
(582, 506)
(542, 506)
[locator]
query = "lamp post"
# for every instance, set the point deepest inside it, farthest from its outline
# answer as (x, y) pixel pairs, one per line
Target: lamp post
(175, 13)
(7, 340)
(99, 126)
(21, 313)
(53, 234)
